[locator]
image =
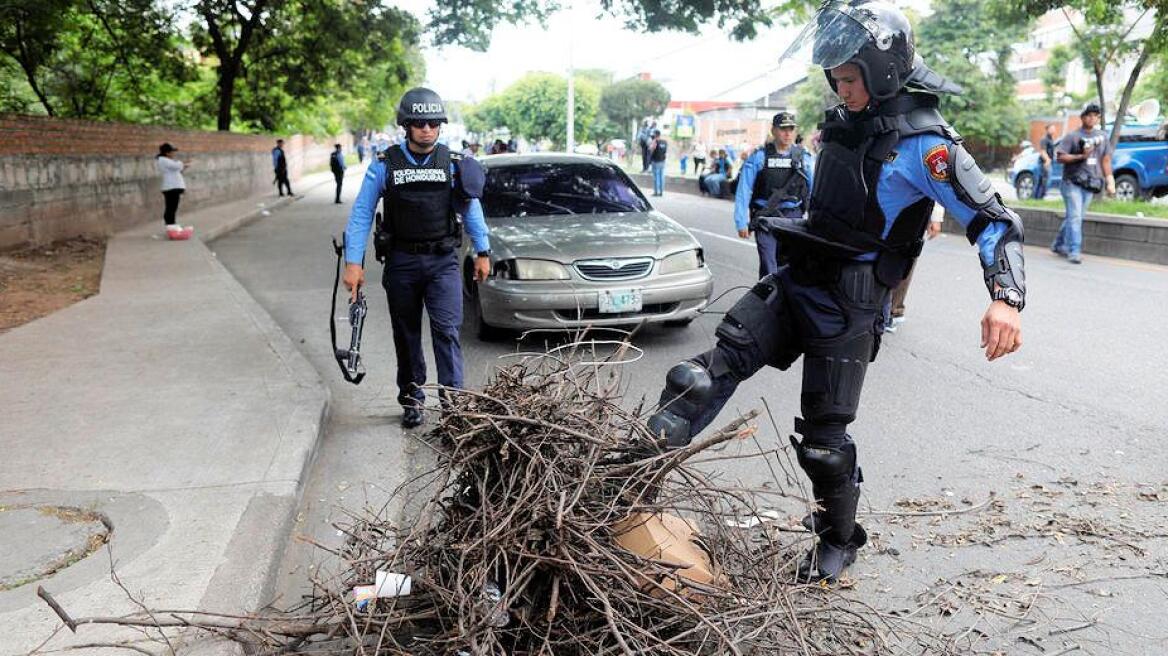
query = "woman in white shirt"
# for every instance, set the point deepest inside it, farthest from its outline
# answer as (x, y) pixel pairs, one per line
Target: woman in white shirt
(173, 186)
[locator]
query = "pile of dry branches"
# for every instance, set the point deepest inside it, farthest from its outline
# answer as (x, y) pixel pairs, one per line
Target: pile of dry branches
(516, 551)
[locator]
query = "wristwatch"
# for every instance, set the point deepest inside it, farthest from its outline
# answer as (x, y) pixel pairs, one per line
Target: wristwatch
(483, 254)
(1011, 296)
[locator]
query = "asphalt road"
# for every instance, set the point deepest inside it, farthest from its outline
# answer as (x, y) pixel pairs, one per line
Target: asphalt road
(1066, 435)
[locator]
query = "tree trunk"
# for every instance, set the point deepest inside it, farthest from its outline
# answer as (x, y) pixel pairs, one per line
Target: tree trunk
(228, 72)
(30, 72)
(1099, 70)
(1130, 86)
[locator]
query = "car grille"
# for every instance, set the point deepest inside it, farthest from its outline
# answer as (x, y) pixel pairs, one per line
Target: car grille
(615, 269)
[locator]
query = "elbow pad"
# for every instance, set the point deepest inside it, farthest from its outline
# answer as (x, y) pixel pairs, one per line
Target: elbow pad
(471, 178)
(1007, 271)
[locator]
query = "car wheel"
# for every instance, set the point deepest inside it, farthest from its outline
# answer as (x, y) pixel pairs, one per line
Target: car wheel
(1127, 187)
(483, 330)
(679, 323)
(1024, 186)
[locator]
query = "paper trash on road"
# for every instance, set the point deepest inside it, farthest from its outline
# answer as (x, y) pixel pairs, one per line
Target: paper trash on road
(754, 520)
(388, 584)
(392, 584)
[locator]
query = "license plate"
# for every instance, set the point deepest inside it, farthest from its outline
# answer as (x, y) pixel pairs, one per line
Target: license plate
(616, 301)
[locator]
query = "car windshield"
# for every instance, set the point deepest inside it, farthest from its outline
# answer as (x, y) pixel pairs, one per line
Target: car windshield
(559, 188)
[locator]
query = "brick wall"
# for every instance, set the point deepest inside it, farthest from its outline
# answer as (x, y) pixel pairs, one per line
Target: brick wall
(67, 178)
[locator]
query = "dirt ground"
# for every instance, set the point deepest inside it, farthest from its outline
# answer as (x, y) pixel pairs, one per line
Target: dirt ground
(38, 281)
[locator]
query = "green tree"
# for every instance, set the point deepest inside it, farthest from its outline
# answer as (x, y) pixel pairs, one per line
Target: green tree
(287, 53)
(628, 101)
(1103, 39)
(972, 47)
(540, 107)
(470, 22)
(90, 58)
(536, 107)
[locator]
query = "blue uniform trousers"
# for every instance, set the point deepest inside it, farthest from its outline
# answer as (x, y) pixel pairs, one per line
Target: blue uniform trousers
(413, 282)
(768, 246)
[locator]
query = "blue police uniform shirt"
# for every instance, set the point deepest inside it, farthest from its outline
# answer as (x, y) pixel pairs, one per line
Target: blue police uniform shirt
(921, 168)
(277, 155)
(361, 216)
(750, 170)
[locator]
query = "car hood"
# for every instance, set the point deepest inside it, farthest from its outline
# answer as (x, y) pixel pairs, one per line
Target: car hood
(566, 238)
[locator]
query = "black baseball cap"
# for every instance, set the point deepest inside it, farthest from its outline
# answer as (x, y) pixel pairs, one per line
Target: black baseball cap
(784, 120)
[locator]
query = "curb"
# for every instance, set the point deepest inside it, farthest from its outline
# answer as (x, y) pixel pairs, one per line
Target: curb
(247, 575)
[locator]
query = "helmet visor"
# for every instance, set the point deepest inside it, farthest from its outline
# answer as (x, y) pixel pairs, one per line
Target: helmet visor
(834, 35)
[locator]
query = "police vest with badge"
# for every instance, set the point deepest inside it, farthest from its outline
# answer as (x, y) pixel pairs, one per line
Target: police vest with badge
(782, 182)
(419, 198)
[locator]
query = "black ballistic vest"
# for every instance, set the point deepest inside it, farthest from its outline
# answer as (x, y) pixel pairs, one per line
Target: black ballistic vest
(782, 177)
(844, 218)
(417, 197)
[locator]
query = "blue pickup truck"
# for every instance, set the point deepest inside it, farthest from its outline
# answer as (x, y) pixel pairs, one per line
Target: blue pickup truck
(1140, 164)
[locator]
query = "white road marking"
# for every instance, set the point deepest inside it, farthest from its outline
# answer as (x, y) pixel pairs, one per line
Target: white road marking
(736, 240)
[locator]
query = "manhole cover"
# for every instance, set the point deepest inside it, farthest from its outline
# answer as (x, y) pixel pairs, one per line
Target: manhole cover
(46, 539)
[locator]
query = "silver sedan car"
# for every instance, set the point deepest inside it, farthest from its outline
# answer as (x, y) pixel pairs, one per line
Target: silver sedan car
(574, 243)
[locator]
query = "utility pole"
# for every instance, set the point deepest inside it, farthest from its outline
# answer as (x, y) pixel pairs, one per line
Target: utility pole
(571, 98)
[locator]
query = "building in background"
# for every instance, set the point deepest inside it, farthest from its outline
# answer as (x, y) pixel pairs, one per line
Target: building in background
(1054, 29)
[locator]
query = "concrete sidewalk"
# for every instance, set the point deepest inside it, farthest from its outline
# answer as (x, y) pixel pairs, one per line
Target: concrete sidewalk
(173, 405)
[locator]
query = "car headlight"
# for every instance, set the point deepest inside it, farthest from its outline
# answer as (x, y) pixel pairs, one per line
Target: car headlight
(525, 269)
(683, 261)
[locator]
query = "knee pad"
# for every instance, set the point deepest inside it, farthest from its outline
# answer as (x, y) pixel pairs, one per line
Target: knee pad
(833, 377)
(688, 388)
(755, 324)
(828, 466)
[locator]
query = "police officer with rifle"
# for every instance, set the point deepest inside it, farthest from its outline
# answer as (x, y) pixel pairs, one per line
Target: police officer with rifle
(887, 157)
(425, 189)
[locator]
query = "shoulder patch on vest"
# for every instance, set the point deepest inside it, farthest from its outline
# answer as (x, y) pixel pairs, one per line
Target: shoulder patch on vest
(937, 162)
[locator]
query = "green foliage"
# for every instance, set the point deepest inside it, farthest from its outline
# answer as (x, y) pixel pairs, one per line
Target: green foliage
(310, 54)
(632, 100)
(972, 46)
(536, 107)
(89, 59)
(469, 22)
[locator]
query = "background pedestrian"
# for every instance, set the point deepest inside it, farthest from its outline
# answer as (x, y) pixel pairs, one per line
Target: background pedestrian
(337, 166)
(173, 186)
(1086, 158)
(658, 147)
(280, 168)
(1046, 154)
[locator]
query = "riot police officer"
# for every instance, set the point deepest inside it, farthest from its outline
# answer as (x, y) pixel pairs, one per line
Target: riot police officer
(424, 189)
(776, 181)
(887, 157)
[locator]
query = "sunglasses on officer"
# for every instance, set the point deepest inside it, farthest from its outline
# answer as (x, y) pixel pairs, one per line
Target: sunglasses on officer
(433, 125)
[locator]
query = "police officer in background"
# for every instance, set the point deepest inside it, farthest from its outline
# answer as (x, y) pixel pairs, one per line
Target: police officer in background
(280, 168)
(424, 189)
(337, 166)
(887, 157)
(775, 181)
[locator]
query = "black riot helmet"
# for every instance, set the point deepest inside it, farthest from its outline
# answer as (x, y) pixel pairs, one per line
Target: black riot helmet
(420, 104)
(875, 36)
